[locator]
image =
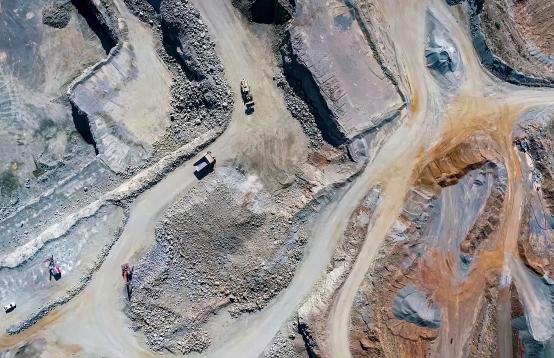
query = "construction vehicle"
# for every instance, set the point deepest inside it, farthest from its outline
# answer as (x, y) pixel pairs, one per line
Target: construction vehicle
(9, 307)
(53, 268)
(204, 165)
(127, 273)
(246, 95)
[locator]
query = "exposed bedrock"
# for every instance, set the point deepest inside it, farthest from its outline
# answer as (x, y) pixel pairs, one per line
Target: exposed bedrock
(100, 22)
(127, 112)
(46, 162)
(26, 279)
(314, 313)
(133, 106)
(524, 339)
(534, 139)
(414, 306)
(303, 84)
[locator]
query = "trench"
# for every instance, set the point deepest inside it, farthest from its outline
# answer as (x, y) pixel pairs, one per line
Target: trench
(96, 22)
(81, 122)
(108, 39)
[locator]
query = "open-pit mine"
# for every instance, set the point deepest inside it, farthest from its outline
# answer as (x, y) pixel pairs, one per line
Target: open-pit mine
(277, 178)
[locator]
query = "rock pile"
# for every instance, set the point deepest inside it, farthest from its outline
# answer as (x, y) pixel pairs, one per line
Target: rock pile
(200, 96)
(224, 247)
(57, 14)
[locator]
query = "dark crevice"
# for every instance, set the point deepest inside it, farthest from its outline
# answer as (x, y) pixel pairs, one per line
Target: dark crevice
(266, 11)
(309, 341)
(155, 4)
(94, 19)
(81, 122)
(269, 12)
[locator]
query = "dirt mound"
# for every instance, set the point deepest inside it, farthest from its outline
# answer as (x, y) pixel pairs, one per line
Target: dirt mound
(225, 247)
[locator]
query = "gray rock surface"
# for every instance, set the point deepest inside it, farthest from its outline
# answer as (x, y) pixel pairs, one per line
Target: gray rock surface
(414, 306)
(349, 90)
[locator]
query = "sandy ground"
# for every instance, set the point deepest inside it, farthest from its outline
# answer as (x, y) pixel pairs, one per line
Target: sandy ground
(268, 142)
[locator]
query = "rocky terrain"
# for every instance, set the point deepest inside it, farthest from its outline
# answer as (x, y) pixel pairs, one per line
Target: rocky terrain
(390, 193)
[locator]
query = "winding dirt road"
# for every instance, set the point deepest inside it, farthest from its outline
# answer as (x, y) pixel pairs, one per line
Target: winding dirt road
(270, 142)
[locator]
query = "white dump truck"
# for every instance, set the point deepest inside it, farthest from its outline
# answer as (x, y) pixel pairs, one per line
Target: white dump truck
(246, 94)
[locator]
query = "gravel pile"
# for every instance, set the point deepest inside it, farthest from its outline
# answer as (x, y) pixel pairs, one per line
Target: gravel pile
(301, 111)
(225, 244)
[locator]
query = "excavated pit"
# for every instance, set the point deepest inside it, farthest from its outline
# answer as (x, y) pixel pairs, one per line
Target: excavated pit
(422, 267)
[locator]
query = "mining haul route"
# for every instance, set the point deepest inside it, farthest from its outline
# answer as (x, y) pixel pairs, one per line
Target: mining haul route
(423, 229)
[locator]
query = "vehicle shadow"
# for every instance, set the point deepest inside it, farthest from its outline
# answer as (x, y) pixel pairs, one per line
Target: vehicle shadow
(200, 175)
